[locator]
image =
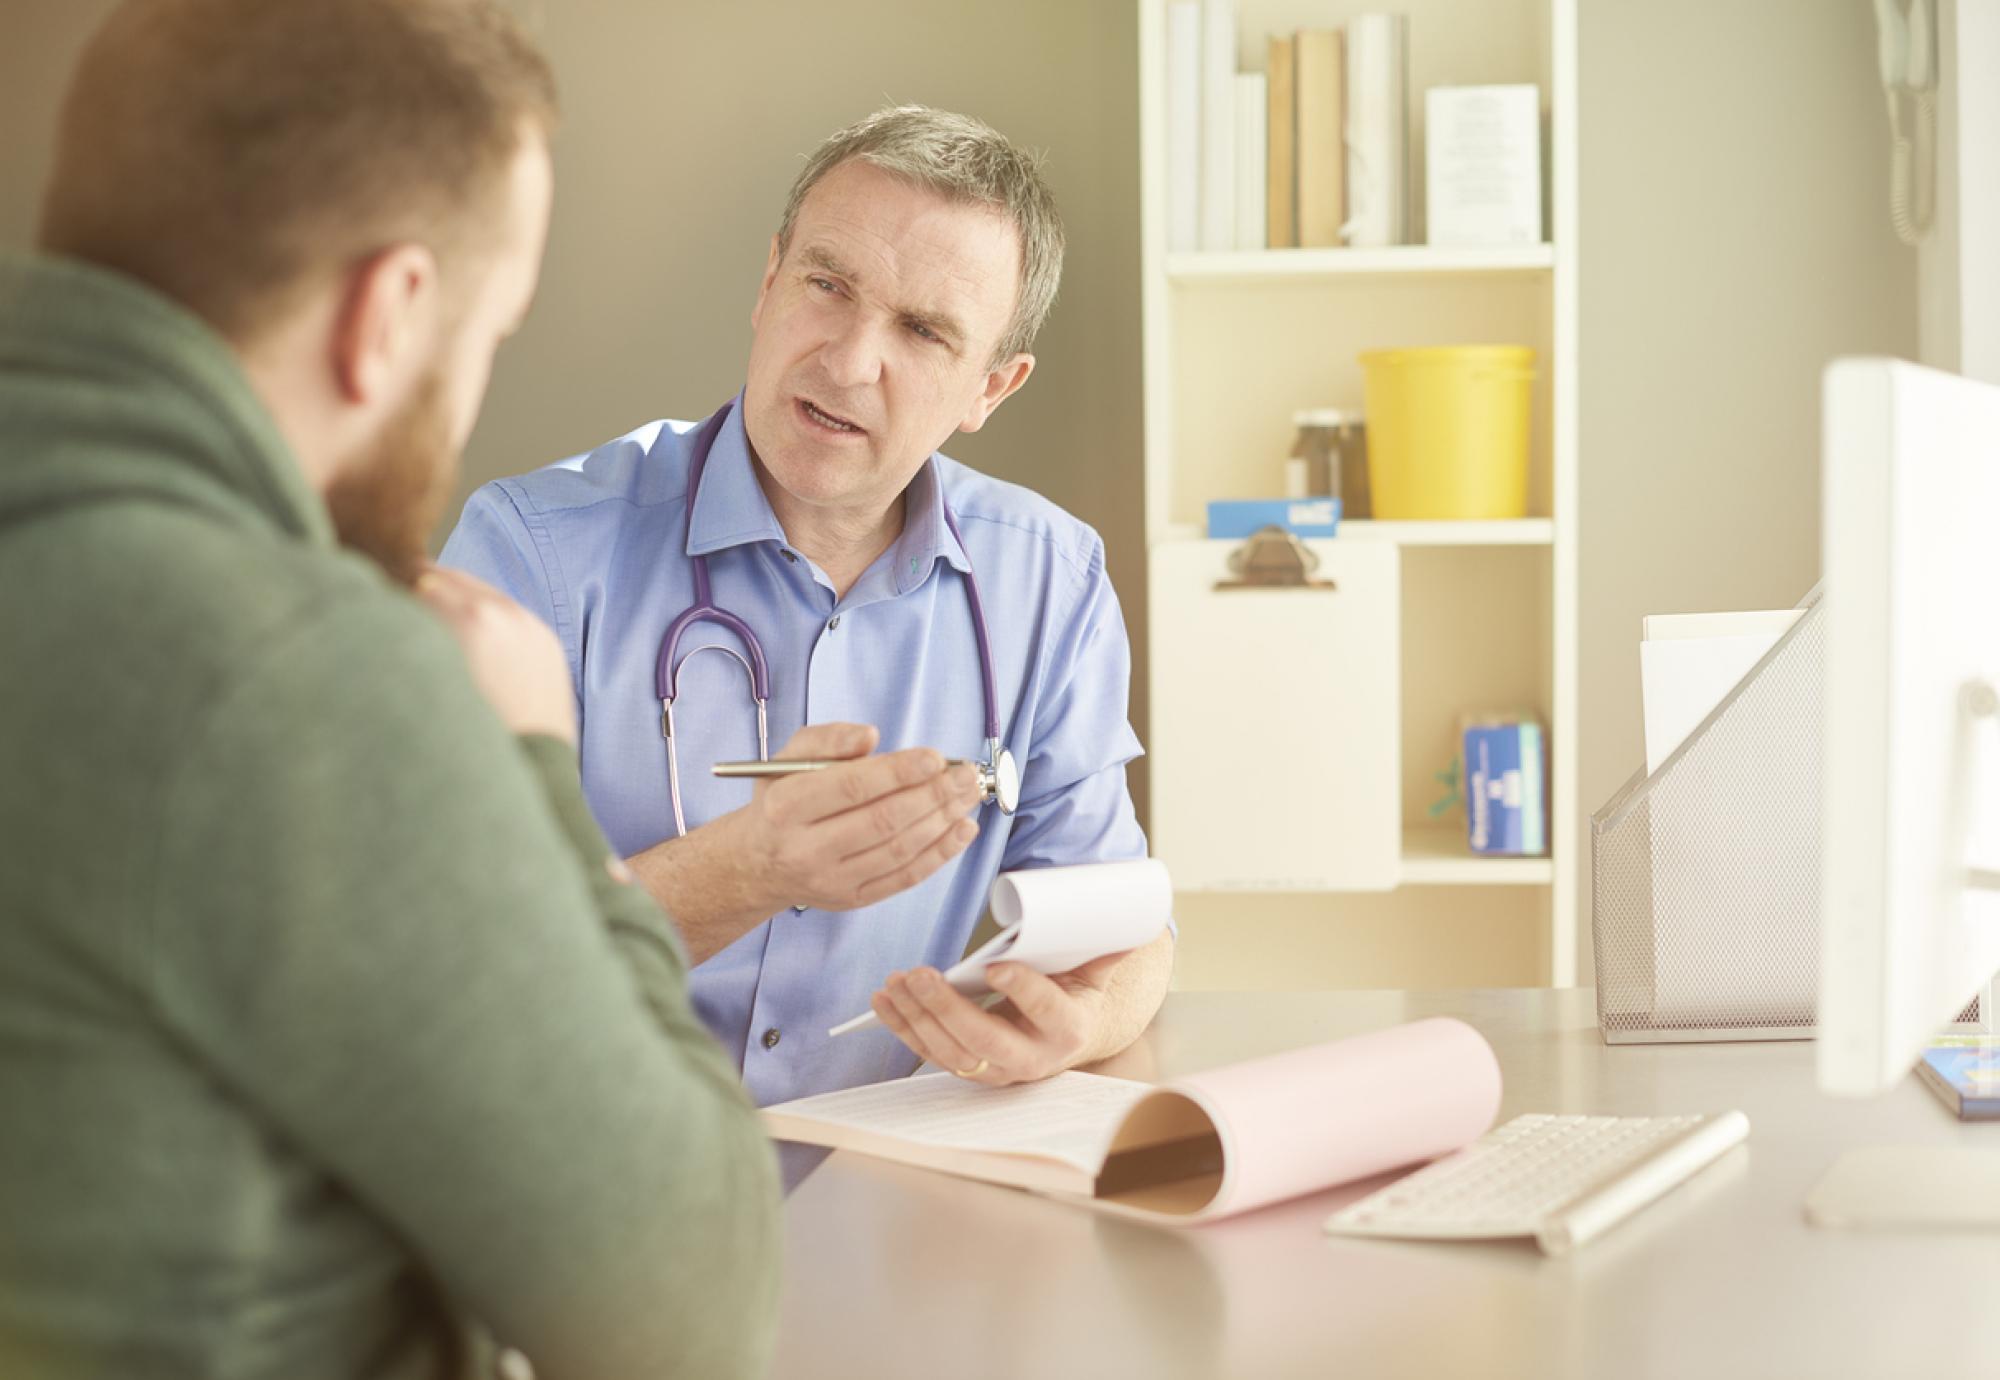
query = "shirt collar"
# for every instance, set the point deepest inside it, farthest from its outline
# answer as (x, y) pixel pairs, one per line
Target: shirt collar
(730, 509)
(926, 536)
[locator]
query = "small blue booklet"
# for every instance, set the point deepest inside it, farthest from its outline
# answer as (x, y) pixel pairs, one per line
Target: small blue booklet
(1302, 517)
(1506, 810)
(1965, 1074)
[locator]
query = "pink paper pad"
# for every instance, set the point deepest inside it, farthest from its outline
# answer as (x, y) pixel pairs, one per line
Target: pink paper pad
(1309, 1119)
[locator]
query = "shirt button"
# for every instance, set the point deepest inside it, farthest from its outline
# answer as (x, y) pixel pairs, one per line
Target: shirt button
(771, 1038)
(792, 556)
(833, 623)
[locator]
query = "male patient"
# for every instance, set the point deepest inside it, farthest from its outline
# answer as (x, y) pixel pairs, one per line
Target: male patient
(333, 1042)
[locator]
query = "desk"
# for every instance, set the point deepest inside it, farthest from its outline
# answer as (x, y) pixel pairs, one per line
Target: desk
(892, 1271)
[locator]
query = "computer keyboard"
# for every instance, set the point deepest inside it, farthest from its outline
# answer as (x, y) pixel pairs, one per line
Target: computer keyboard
(1560, 1179)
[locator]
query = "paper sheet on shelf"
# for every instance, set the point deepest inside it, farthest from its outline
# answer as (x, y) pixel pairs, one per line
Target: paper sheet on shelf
(1054, 919)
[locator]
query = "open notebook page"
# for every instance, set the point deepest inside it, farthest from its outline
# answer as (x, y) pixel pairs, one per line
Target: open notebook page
(1070, 1117)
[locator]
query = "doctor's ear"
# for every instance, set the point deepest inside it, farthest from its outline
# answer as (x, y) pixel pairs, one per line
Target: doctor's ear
(386, 324)
(764, 288)
(1003, 380)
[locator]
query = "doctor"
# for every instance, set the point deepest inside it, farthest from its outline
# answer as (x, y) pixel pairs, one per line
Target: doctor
(842, 570)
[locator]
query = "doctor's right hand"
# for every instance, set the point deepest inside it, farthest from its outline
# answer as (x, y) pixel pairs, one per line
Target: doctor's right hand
(851, 835)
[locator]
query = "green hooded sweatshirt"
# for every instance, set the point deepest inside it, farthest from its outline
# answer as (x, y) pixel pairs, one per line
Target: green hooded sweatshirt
(328, 1045)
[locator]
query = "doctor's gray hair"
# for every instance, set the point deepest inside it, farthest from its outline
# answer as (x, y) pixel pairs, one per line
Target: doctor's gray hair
(965, 160)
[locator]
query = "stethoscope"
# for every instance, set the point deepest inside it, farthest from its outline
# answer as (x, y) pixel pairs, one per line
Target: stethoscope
(999, 778)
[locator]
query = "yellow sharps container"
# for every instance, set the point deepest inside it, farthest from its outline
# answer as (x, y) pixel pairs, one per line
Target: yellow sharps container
(1448, 431)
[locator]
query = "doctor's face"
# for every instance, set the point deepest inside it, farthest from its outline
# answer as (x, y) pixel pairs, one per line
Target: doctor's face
(875, 334)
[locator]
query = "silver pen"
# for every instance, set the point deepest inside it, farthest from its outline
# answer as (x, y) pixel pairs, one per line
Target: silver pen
(1001, 785)
(792, 766)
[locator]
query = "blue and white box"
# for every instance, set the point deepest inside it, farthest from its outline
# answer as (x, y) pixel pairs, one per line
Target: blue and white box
(1302, 517)
(1506, 802)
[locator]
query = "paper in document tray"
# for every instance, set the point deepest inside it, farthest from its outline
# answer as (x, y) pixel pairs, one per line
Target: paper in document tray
(1705, 874)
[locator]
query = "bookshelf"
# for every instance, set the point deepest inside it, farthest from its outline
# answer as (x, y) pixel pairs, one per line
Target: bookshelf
(1255, 266)
(1483, 615)
(1516, 532)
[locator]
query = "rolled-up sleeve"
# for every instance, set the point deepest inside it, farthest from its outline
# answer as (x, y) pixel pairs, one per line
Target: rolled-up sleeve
(1075, 804)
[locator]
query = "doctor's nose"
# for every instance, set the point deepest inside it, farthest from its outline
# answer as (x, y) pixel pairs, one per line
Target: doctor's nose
(853, 358)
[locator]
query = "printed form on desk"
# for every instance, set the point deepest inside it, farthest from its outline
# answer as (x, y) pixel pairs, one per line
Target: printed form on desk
(1070, 1117)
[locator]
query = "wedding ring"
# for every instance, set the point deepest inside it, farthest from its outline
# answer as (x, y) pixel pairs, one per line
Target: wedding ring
(976, 1069)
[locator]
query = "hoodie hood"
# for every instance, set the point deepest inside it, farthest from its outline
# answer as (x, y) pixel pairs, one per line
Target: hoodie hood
(110, 392)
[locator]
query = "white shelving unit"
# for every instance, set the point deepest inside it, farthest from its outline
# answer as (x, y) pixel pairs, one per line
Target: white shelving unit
(1415, 259)
(1434, 855)
(1483, 615)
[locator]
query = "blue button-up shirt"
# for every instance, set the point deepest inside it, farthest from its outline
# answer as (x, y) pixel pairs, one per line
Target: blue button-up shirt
(599, 546)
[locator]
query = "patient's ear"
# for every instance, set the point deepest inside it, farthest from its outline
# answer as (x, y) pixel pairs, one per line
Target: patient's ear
(383, 333)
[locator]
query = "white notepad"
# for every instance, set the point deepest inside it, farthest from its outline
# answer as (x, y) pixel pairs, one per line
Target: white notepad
(1053, 919)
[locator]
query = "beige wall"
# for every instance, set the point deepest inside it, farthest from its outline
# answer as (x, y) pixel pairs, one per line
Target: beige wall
(1733, 164)
(684, 125)
(1735, 236)
(1958, 265)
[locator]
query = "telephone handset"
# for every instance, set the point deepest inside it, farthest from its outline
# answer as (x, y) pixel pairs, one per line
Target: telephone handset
(1909, 70)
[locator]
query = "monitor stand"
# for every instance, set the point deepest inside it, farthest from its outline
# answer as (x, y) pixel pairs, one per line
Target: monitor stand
(1909, 1188)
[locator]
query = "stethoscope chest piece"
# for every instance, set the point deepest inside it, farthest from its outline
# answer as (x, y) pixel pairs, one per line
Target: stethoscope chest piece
(999, 774)
(1000, 780)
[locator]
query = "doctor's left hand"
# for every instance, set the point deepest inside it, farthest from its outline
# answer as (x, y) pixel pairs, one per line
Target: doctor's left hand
(1046, 1024)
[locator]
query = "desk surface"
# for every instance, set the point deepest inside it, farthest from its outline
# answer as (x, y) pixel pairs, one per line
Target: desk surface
(893, 1271)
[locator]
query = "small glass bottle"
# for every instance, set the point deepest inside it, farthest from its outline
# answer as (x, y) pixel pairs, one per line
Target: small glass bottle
(1332, 443)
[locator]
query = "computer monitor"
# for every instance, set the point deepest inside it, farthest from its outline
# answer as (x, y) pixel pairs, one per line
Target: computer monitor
(1910, 873)
(1911, 550)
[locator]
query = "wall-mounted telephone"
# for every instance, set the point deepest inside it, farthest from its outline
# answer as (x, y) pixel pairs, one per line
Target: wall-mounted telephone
(1910, 72)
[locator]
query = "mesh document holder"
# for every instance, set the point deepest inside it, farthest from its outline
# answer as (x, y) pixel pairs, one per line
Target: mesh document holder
(1705, 875)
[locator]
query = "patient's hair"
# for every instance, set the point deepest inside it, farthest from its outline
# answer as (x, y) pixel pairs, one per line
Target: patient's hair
(236, 154)
(966, 160)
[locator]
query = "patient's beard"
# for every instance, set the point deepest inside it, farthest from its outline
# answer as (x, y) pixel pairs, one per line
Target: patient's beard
(386, 504)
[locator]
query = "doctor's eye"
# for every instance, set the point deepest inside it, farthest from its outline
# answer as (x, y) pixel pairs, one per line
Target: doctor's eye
(925, 332)
(823, 284)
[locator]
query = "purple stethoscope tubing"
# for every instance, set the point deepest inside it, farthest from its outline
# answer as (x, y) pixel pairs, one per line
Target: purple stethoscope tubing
(704, 609)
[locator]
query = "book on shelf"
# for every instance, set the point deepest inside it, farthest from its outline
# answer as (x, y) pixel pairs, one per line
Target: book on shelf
(1506, 798)
(1482, 165)
(1202, 1147)
(1320, 83)
(1218, 125)
(1235, 518)
(1311, 152)
(1252, 100)
(1183, 126)
(1281, 215)
(1377, 131)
